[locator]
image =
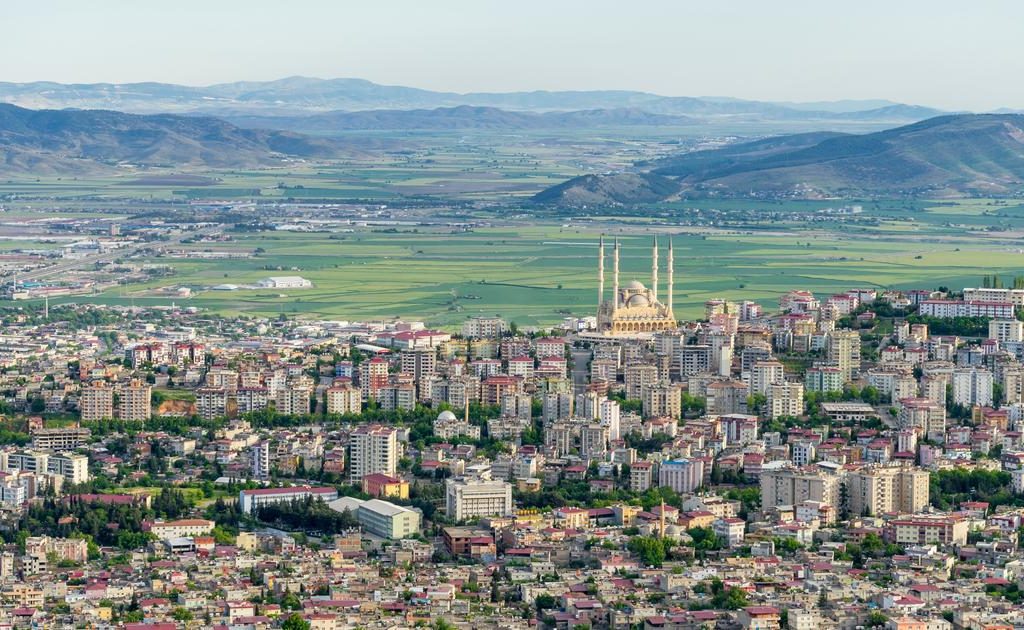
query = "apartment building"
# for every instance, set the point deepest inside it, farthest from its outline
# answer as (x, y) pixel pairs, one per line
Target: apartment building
(96, 401)
(134, 401)
(373, 449)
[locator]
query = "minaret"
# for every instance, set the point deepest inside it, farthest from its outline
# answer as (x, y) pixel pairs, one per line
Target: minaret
(654, 270)
(671, 265)
(615, 276)
(600, 272)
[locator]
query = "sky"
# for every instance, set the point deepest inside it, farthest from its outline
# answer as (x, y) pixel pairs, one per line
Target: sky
(955, 55)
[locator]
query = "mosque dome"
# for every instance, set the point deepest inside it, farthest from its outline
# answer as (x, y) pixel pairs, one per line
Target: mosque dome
(446, 416)
(635, 284)
(638, 300)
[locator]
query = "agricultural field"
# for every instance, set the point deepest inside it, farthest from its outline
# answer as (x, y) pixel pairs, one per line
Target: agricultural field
(536, 274)
(531, 265)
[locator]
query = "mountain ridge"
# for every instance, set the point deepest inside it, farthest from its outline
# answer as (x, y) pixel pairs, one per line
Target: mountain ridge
(294, 95)
(952, 155)
(81, 141)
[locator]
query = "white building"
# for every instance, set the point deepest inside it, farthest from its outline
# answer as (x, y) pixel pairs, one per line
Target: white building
(682, 475)
(249, 500)
(467, 498)
(381, 518)
(1004, 330)
(260, 455)
(374, 449)
(284, 282)
(972, 386)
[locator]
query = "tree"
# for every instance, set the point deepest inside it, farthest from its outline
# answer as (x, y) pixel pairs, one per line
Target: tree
(295, 622)
(649, 549)
(545, 602)
(182, 614)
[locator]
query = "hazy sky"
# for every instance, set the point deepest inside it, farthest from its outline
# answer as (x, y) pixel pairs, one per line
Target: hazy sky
(954, 54)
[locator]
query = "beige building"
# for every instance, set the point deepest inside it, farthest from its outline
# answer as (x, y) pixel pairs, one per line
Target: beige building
(1003, 330)
(134, 401)
(662, 399)
(785, 399)
(764, 374)
(96, 401)
(638, 376)
(843, 352)
(342, 399)
(792, 486)
(876, 490)
(181, 528)
(292, 400)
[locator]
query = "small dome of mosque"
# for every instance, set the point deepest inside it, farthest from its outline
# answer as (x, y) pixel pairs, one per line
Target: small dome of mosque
(446, 416)
(638, 300)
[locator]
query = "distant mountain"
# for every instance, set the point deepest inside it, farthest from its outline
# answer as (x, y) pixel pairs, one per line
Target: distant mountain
(944, 156)
(294, 96)
(461, 117)
(601, 190)
(69, 141)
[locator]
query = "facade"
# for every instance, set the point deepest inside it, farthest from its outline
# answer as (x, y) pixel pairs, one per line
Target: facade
(373, 449)
(785, 399)
(682, 475)
(59, 439)
(381, 518)
(484, 328)
(972, 386)
(135, 401)
(260, 454)
(74, 468)
(468, 498)
(843, 352)
(1006, 330)
(662, 399)
(791, 486)
(96, 402)
(344, 399)
(875, 490)
(249, 500)
(379, 485)
(292, 400)
(181, 528)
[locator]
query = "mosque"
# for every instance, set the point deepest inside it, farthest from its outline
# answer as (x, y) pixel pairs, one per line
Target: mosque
(633, 310)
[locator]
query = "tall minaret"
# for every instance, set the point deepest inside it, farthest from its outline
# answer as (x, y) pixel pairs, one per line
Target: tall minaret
(600, 272)
(615, 276)
(671, 265)
(654, 270)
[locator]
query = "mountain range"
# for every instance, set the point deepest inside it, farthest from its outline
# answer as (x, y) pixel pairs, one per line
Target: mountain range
(955, 155)
(70, 142)
(302, 95)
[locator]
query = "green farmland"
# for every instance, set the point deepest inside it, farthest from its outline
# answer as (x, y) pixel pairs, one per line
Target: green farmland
(537, 274)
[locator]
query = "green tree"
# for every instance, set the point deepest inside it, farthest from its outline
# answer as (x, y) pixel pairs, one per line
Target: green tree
(295, 622)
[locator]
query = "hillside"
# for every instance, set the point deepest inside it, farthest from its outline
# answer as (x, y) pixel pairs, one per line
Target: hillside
(67, 141)
(463, 117)
(954, 155)
(618, 189)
